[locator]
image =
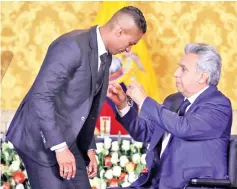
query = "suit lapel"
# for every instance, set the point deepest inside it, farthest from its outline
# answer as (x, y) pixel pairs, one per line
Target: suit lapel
(175, 106)
(201, 97)
(93, 56)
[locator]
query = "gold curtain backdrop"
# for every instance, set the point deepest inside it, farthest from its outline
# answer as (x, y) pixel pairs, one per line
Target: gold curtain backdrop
(29, 27)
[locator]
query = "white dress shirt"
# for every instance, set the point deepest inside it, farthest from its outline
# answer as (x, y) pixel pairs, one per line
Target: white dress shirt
(101, 50)
(166, 135)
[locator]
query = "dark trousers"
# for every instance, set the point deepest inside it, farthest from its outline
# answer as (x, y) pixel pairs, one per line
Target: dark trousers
(41, 177)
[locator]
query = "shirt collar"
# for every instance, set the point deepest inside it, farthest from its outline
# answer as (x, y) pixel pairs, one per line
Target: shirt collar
(192, 98)
(101, 46)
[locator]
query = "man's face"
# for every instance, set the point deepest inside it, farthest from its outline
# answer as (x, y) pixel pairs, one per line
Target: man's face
(123, 41)
(187, 76)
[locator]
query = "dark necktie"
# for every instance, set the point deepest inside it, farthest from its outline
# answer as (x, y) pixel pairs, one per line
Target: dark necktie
(183, 107)
(100, 75)
(104, 59)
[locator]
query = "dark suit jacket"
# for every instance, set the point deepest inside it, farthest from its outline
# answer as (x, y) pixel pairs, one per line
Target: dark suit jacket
(61, 104)
(199, 139)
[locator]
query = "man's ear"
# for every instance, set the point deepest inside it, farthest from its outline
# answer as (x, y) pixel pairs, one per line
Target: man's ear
(204, 78)
(119, 31)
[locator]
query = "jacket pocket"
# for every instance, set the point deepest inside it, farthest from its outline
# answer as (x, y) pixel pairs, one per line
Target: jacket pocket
(197, 172)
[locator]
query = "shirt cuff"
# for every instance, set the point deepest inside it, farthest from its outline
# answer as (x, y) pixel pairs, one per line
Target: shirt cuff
(123, 111)
(59, 147)
(92, 150)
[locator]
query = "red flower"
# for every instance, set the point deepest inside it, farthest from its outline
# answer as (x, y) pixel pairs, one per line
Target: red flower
(113, 182)
(122, 176)
(19, 177)
(6, 185)
(144, 170)
(107, 160)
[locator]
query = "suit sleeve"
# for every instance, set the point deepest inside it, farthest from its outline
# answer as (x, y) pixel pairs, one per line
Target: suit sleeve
(140, 128)
(209, 121)
(93, 144)
(61, 61)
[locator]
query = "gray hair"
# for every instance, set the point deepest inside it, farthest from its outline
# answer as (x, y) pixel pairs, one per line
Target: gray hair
(209, 60)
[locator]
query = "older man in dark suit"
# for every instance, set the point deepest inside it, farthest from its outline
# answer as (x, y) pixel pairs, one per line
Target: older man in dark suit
(53, 126)
(190, 132)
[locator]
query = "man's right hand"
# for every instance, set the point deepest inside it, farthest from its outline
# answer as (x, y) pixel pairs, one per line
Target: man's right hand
(67, 163)
(117, 95)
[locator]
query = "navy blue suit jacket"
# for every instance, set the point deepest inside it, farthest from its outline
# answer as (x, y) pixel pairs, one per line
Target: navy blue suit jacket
(61, 104)
(198, 144)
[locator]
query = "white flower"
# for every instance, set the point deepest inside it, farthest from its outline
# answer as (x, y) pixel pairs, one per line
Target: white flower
(105, 152)
(20, 186)
(126, 145)
(107, 143)
(5, 170)
(114, 158)
(13, 183)
(109, 174)
(96, 182)
(136, 158)
(116, 171)
(132, 177)
(15, 166)
(25, 173)
(91, 182)
(115, 146)
(132, 148)
(6, 154)
(17, 158)
(123, 161)
(143, 159)
(126, 183)
(99, 147)
(102, 172)
(103, 184)
(138, 144)
(4, 146)
(10, 145)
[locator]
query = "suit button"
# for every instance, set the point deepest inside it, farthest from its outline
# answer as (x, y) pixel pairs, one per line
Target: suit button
(83, 118)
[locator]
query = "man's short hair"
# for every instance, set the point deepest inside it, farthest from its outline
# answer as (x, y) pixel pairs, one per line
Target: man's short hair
(137, 16)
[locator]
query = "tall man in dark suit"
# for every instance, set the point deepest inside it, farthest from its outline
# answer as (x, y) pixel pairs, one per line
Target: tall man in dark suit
(189, 133)
(53, 126)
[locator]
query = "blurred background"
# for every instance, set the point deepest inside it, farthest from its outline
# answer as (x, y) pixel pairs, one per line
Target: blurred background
(28, 28)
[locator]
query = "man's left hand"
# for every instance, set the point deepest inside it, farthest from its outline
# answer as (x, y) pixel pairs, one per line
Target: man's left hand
(136, 92)
(93, 165)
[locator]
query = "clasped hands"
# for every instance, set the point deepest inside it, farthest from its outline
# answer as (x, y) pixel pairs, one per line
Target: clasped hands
(118, 96)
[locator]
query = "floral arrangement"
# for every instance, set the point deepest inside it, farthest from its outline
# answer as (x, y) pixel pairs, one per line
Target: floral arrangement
(13, 173)
(119, 163)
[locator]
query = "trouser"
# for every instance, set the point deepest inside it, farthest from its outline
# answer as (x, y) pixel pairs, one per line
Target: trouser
(41, 177)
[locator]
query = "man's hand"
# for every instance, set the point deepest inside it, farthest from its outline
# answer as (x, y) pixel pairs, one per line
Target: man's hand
(117, 95)
(136, 92)
(67, 163)
(93, 165)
